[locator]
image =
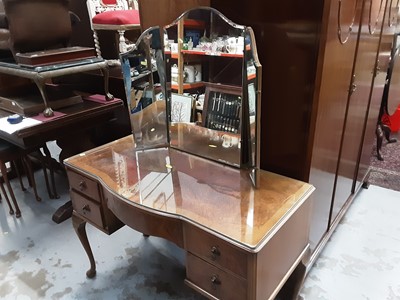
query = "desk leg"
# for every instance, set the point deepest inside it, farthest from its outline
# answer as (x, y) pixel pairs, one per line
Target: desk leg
(79, 226)
(48, 112)
(105, 73)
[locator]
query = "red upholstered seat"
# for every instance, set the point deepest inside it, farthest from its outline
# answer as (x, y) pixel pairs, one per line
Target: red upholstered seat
(117, 17)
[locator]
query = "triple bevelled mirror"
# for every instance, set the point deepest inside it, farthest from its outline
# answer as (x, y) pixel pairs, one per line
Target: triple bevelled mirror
(195, 85)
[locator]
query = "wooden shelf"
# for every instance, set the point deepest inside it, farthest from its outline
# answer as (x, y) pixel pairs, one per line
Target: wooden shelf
(198, 52)
(188, 86)
(251, 76)
(204, 53)
(144, 74)
(194, 24)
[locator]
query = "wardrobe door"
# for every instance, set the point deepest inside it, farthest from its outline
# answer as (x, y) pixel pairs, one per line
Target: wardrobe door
(386, 32)
(358, 102)
(338, 45)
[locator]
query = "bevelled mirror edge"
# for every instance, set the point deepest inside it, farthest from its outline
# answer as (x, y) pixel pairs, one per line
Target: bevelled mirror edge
(254, 139)
(206, 8)
(143, 70)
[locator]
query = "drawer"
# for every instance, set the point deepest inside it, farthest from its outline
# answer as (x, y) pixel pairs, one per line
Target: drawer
(86, 208)
(213, 280)
(215, 250)
(84, 185)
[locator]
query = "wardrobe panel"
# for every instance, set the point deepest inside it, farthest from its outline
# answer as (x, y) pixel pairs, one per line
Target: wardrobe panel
(358, 102)
(336, 72)
(388, 29)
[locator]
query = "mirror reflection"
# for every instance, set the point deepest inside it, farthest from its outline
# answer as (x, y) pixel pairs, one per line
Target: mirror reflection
(206, 54)
(393, 77)
(143, 70)
(200, 88)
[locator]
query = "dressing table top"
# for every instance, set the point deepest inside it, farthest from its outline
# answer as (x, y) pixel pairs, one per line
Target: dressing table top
(215, 197)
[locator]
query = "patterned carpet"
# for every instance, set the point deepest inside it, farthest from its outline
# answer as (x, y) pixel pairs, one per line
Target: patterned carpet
(387, 173)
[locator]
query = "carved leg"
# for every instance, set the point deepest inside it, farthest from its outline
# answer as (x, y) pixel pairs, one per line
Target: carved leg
(379, 139)
(6, 196)
(79, 226)
(28, 164)
(26, 171)
(46, 180)
(105, 73)
(49, 163)
(387, 132)
(10, 190)
(18, 175)
(48, 111)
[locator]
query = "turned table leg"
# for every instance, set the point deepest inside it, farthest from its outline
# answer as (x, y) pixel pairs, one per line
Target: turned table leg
(80, 229)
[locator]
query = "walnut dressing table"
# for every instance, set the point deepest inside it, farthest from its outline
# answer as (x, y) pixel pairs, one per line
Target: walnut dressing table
(241, 242)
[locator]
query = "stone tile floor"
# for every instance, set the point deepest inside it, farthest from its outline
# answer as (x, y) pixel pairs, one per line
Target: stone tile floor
(43, 260)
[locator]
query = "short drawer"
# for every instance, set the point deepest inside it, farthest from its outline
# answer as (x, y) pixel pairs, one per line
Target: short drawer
(84, 185)
(215, 250)
(213, 280)
(87, 208)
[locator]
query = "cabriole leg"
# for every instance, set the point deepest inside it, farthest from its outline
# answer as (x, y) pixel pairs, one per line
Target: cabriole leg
(80, 229)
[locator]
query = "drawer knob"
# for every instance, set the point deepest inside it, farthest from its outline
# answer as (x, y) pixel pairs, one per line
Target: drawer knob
(215, 252)
(86, 209)
(215, 280)
(82, 185)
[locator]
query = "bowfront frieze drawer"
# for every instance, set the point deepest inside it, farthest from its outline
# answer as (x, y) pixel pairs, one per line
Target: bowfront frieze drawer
(87, 208)
(220, 284)
(84, 185)
(215, 250)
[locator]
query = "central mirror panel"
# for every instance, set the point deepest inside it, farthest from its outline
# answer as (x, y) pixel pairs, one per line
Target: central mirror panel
(205, 55)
